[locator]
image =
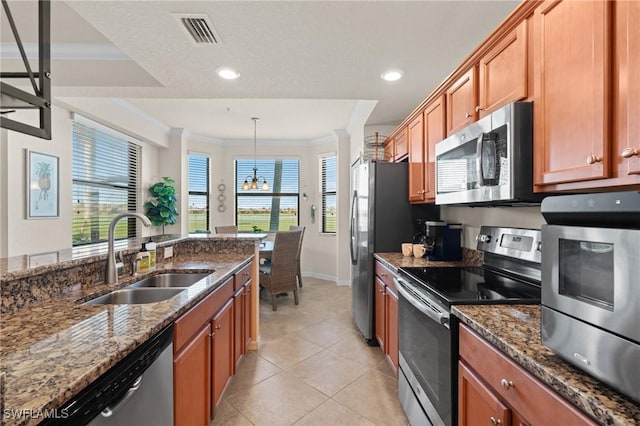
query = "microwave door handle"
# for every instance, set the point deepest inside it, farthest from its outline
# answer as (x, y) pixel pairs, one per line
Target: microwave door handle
(479, 145)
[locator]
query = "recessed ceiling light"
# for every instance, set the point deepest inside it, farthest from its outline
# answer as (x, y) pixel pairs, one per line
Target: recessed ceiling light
(391, 75)
(228, 73)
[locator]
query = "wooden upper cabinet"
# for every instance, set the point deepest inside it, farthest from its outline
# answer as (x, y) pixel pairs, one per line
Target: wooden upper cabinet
(626, 149)
(401, 146)
(416, 160)
(388, 149)
(461, 101)
(434, 132)
(571, 134)
(477, 405)
(503, 72)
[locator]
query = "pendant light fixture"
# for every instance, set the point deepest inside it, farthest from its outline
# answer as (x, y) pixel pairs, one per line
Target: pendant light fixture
(254, 180)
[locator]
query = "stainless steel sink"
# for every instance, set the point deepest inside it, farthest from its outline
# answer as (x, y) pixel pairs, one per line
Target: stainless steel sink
(133, 296)
(169, 280)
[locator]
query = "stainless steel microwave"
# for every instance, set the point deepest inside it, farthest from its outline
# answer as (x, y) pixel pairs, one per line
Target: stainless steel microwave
(490, 162)
(591, 285)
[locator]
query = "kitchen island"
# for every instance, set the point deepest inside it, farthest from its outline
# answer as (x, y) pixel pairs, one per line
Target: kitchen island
(52, 345)
(515, 331)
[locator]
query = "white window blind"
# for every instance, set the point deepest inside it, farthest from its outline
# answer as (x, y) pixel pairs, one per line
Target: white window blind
(106, 173)
(272, 210)
(328, 189)
(198, 193)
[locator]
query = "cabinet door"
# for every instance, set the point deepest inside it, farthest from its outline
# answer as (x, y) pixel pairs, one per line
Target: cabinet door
(627, 111)
(192, 380)
(503, 72)
(477, 405)
(380, 313)
(392, 326)
(247, 316)
(222, 351)
(462, 99)
(238, 326)
(434, 132)
(388, 150)
(572, 140)
(401, 148)
(416, 160)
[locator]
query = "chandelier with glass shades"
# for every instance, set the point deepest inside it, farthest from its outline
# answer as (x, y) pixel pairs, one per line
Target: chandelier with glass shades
(254, 180)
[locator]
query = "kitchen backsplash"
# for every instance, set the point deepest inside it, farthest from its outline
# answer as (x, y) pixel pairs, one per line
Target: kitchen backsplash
(27, 286)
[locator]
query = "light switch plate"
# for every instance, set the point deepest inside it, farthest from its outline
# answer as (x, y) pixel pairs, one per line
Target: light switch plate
(168, 252)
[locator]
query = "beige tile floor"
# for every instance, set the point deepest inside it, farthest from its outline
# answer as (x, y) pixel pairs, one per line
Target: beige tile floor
(312, 368)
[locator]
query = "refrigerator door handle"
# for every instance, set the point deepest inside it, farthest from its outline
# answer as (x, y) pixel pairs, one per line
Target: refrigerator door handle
(352, 243)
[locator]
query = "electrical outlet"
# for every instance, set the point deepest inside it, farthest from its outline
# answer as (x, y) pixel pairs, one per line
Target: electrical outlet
(168, 252)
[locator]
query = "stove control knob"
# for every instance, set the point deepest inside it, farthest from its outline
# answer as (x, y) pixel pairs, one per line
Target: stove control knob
(484, 238)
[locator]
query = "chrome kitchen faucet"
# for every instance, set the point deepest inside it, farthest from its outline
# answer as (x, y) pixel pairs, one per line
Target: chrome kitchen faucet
(110, 269)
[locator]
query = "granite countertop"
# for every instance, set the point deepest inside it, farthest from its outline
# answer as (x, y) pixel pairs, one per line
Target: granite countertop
(51, 351)
(515, 331)
(397, 260)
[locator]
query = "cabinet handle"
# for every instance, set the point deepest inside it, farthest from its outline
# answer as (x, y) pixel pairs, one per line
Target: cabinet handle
(630, 152)
(478, 109)
(507, 384)
(218, 327)
(592, 159)
(494, 421)
(468, 115)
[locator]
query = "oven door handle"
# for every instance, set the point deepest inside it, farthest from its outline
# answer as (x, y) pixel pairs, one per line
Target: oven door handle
(441, 318)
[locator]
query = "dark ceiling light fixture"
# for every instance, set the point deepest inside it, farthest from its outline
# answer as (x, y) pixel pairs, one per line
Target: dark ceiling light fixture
(254, 180)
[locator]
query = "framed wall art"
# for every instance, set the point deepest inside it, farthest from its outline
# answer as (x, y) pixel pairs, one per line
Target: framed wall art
(43, 191)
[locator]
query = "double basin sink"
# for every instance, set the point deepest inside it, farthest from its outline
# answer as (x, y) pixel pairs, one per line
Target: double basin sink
(155, 288)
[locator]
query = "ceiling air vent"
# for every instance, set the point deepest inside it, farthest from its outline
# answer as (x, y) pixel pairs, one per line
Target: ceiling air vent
(199, 28)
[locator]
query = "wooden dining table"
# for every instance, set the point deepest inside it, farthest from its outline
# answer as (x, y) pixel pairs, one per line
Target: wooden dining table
(265, 248)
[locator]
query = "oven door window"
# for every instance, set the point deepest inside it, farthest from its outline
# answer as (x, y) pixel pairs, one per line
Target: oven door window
(586, 271)
(426, 346)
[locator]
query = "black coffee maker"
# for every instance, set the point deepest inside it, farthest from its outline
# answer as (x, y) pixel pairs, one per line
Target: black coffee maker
(442, 240)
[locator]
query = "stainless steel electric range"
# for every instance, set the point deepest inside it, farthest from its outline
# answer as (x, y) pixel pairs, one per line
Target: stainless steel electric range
(428, 336)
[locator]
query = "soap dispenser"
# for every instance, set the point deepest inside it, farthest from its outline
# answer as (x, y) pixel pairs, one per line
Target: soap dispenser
(143, 258)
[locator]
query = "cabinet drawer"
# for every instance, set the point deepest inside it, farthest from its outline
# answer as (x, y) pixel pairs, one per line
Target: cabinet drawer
(385, 274)
(242, 276)
(189, 323)
(522, 391)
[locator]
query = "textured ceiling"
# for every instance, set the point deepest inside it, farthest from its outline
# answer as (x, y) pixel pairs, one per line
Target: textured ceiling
(299, 53)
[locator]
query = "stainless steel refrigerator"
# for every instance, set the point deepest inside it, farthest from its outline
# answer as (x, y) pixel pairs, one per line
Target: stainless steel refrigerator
(381, 220)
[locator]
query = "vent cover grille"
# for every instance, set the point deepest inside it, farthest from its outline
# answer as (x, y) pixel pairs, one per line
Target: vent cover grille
(200, 29)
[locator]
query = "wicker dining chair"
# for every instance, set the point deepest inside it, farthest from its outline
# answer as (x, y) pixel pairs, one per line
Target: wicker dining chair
(226, 229)
(298, 272)
(280, 275)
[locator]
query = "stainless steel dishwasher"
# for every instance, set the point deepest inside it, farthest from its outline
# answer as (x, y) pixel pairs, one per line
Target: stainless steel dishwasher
(136, 391)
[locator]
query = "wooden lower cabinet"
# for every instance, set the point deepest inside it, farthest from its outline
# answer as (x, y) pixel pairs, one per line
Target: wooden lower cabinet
(380, 323)
(477, 404)
(492, 385)
(386, 313)
(192, 380)
(246, 317)
(392, 326)
(208, 341)
(238, 326)
(222, 353)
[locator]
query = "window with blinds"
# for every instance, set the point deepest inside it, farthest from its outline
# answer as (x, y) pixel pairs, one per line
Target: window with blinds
(106, 173)
(328, 180)
(198, 193)
(274, 209)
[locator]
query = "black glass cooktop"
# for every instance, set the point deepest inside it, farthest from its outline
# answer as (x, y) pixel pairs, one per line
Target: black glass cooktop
(472, 285)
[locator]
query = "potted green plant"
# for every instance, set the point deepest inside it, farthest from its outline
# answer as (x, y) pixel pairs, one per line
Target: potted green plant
(162, 210)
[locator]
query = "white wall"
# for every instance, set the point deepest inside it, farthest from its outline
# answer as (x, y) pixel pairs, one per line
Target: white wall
(474, 217)
(319, 250)
(21, 236)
